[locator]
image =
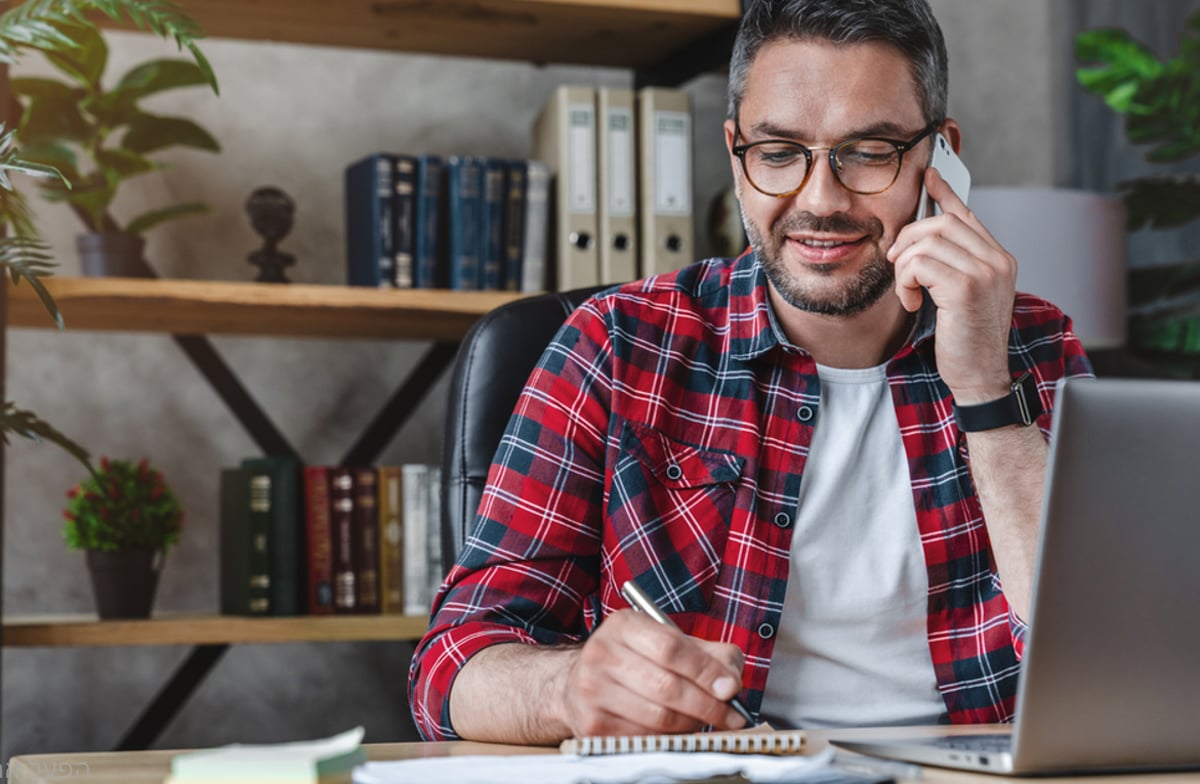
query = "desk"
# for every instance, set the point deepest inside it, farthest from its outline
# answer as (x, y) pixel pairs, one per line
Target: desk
(151, 767)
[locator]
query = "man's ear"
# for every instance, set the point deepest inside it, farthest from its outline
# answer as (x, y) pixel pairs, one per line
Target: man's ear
(730, 136)
(953, 134)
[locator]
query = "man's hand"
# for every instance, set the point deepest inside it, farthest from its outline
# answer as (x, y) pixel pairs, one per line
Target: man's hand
(972, 280)
(632, 676)
(635, 676)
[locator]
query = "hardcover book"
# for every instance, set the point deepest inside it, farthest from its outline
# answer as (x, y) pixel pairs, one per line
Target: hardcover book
(464, 207)
(245, 562)
(369, 188)
(492, 224)
(319, 537)
(427, 223)
(366, 538)
(391, 541)
(404, 176)
(341, 518)
(280, 476)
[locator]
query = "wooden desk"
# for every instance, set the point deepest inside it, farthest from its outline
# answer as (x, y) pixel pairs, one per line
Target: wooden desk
(151, 767)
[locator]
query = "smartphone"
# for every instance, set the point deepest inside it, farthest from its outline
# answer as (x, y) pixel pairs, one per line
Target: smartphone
(952, 169)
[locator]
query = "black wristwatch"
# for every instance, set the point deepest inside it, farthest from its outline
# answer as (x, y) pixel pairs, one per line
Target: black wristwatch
(1021, 406)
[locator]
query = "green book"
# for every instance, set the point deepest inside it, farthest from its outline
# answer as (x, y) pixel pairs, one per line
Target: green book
(245, 561)
(279, 503)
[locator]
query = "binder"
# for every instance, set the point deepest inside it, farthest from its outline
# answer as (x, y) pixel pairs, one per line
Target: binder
(565, 139)
(665, 179)
(616, 168)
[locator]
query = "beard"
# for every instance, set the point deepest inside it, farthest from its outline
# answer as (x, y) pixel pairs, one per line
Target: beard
(874, 280)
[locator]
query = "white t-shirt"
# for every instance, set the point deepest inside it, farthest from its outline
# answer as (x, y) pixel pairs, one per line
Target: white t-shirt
(852, 646)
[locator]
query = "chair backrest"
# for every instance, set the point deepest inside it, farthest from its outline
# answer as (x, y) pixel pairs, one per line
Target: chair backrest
(492, 366)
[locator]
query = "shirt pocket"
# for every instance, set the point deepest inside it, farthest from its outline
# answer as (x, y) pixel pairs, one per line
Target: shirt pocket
(669, 512)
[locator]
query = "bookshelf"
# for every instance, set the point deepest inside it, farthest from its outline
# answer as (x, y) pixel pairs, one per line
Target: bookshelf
(662, 41)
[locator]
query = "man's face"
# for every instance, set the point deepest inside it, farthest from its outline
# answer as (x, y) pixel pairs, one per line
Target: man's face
(824, 248)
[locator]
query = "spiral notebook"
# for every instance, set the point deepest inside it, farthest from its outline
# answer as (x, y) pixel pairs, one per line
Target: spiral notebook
(753, 741)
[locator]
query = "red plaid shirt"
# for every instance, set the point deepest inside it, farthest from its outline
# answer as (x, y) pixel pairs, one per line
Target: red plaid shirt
(663, 437)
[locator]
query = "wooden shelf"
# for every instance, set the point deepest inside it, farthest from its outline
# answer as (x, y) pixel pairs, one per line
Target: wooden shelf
(85, 630)
(193, 307)
(622, 33)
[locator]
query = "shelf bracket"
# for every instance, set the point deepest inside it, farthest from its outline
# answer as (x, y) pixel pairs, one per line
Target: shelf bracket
(171, 697)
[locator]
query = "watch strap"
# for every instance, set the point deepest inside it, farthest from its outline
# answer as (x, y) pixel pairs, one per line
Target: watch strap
(1021, 406)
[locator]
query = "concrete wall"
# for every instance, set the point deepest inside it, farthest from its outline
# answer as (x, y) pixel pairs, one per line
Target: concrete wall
(293, 116)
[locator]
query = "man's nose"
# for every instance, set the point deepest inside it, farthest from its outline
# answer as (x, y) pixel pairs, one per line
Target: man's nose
(823, 194)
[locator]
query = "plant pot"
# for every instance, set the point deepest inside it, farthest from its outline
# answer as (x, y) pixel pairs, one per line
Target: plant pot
(124, 581)
(112, 255)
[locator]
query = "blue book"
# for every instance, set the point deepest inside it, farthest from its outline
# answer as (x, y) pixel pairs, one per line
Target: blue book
(492, 224)
(464, 207)
(404, 177)
(427, 220)
(369, 188)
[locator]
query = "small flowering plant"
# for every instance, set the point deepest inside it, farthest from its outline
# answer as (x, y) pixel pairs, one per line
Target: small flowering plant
(122, 506)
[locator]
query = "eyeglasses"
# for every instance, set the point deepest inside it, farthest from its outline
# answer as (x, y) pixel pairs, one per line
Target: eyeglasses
(865, 166)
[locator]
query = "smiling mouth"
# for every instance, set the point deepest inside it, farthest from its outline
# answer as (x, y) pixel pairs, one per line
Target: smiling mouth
(825, 244)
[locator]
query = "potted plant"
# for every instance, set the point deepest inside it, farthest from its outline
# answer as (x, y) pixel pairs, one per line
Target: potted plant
(1160, 100)
(45, 25)
(98, 138)
(125, 517)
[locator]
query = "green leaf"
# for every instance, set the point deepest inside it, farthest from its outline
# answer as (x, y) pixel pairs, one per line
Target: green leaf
(148, 220)
(85, 62)
(123, 164)
(148, 132)
(28, 425)
(28, 259)
(159, 75)
(51, 112)
(1162, 202)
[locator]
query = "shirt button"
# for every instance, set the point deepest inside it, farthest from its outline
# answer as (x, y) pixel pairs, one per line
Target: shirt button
(804, 413)
(766, 631)
(674, 471)
(783, 519)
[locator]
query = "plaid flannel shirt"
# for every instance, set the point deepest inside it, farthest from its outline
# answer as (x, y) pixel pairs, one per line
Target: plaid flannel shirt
(663, 437)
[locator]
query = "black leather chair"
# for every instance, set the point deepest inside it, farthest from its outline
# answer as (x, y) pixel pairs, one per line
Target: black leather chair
(493, 363)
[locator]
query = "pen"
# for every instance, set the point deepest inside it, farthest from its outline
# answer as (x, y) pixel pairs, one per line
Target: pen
(638, 600)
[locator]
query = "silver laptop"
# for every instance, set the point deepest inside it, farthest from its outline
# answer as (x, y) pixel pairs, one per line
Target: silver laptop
(1111, 674)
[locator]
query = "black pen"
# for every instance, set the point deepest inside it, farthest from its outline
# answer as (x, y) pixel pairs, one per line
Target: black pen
(638, 600)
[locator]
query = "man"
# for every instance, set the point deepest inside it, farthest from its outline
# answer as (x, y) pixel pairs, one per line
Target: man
(784, 450)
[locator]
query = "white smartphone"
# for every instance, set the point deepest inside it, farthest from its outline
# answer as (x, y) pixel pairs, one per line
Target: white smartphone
(952, 169)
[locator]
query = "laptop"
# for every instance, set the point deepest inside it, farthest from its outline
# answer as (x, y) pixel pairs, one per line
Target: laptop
(1110, 679)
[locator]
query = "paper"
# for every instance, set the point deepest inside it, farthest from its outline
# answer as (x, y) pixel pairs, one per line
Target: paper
(302, 761)
(651, 768)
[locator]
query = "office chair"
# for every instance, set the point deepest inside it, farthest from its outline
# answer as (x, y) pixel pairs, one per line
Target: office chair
(493, 363)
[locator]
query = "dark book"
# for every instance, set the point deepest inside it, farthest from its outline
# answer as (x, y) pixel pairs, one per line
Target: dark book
(369, 188)
(535, 248)
(492, 225)
(245, 561)
(464, 206)
(341, 521)
(404, 177)
(319, 540)
(366, 539)
(285, 539)
(514, 225)
(427, 223)
(391, 541)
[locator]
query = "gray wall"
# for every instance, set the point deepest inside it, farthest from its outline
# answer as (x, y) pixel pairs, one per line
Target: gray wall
(293, 116)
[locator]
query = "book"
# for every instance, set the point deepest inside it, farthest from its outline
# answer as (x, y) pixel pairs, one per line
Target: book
(536, 229)
(245, 566)
(369, 188)
(616, 169)
(391, 541)
(427, 223)
(492, 225)
(366, 539)
(514, 225)
(404, 179)
(422, 542)
(747, 741)
(282, 509)
(319, 540)
(341, 524)
(325, 761)
(665, 182)
(564, 137)
(464, 209)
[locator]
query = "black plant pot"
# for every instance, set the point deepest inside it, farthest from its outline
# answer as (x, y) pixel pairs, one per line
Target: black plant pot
(124, 581)
(112, 255)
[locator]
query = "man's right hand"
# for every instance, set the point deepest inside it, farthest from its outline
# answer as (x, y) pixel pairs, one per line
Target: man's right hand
(635, 676)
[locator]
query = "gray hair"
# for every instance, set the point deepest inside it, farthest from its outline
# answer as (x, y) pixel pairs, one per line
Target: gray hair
(907, 25)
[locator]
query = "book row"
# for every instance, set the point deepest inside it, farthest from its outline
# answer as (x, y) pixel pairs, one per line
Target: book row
(606, 199)
(317, 540)
(462, 222)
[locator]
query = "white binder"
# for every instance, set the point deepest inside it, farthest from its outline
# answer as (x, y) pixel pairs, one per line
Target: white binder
(665, 179)
(565, 139)
(616, 165)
